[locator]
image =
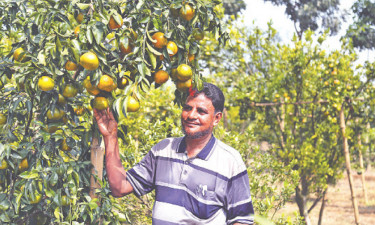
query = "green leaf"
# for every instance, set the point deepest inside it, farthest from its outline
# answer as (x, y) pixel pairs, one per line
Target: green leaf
(29, 175)
(145, 19)
(89, 35)
(152, 59)
(98, 32)
(154, 51)
(83, 6)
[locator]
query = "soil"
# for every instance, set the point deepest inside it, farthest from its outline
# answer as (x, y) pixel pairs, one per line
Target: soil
(339, 208)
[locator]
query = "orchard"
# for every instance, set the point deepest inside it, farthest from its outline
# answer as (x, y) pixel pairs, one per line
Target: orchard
(64, 58)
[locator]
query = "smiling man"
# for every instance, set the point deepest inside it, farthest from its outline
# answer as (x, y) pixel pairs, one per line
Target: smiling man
(197, 178)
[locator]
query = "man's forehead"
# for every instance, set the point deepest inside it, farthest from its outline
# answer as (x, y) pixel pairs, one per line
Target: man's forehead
(200, 99)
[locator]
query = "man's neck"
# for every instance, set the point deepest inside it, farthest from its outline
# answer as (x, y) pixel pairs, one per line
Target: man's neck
(194, 146)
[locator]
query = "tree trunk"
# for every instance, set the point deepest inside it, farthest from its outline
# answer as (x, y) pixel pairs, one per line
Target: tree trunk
(368, 159)
(347, 164)
(301, 200)
(364, 189)
(324, 199)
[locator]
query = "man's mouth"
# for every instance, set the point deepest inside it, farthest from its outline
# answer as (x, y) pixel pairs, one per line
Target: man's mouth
(190, 124)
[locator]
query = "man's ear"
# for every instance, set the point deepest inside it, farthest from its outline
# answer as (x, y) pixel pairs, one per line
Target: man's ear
(217, 118)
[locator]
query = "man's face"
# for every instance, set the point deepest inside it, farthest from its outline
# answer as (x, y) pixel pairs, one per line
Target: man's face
(198, 117)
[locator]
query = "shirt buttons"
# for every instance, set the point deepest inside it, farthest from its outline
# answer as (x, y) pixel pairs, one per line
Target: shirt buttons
(186, 162)
(185, 172)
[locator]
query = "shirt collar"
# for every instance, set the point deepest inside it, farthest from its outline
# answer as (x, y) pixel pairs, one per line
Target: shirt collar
(204, 153)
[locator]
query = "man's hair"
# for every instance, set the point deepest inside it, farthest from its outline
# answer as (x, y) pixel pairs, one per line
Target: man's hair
(212, 92)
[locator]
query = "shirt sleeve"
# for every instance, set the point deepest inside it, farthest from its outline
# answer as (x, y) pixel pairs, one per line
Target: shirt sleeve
(142, 175)
(239, 205)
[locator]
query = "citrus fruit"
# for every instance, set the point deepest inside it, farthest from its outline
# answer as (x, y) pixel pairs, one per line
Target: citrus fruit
(174, 74)
(161, 77)
(93, 91)
(113, 24)
(132, 105)
(50, 129)
(126, 49)
(183, 86)
(161, 41)
(37, 199)
(191, 57)
(70, 91)
(122, 82)
(77, 30)
(106, 83)
(62, 100)
(64, 146)
(3, 165)
(3, 119)
(172, 48)
(23, 165)
(111, 35)
(89, 61)
(187, 12)
(17, 54)
(184, 72)
(46, 83)
(79, 17)
(70, 66)
(100, 103)
(198, 34)
(79, 110)
(56, 115)
(65, 201)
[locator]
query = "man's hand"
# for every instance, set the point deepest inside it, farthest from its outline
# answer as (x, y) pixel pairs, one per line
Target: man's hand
(106, 122)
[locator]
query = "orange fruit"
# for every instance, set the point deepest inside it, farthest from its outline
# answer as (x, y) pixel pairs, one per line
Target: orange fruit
(93, 90)
(62, 100)
(161, 41)
(50, 129)
(64, 146)
(101, 103)
(79, 110)
(37, 199)
(77, 30)
(191, 57)
(187, 12)
(198, 34)
(3, 119)
(161, 77)
(46, 83)
(3, 165)
(122, 82)
(55, 115)
(126, 49)
(113, 24)
(174, 74)
(70, 66)
(172, 48)
(24, 165)
(70, 91)
(183, 86)
(132, 105)
(89, 61)
(17, 54)
(106, 83)
(79, 17)
(184, 72)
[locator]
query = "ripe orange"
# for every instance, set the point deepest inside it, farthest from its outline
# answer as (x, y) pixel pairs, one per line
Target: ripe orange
(64, 146)
(126, 49)
(62, 100)
(46, 83)
(191, 57)
(172, 48)
(174, 74)
(79, 18)
(198, 34)
(113, 24)
(17, 54)
(3, 119)
(122, 82)
(106, 83)
(161, 41)
(24, 165)
(70, 91)
(161, 77)
(70, 66)
(3, 165)
(132, 105)
(187, 12)
(89, 61)
(56, 115)
(77, 30)
(79, 110)
(101, 103)
(183, 86)
(184, 72)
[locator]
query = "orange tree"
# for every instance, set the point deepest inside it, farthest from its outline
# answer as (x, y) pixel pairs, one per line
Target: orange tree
(67, 57)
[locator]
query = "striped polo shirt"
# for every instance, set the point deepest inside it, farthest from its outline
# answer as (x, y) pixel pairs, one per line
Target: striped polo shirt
(211, 188)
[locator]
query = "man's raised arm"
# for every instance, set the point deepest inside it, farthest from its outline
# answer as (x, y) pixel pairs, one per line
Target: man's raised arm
(116, 173)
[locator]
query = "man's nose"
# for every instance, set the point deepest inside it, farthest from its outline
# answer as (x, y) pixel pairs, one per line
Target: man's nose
(193, 114)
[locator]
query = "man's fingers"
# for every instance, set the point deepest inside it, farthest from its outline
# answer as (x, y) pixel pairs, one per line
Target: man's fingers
(110, 113)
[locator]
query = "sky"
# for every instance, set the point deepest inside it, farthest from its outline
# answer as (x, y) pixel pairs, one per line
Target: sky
(260, 13)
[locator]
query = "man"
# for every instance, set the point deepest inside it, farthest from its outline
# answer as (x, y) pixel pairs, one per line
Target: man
(197, 179)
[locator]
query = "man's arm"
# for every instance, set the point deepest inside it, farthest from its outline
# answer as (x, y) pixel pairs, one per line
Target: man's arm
(116, 174)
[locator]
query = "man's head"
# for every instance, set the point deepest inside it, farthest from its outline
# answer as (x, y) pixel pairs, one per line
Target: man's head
(202, 111)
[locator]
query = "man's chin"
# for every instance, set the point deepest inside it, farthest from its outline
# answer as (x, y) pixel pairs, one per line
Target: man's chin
(196, 135)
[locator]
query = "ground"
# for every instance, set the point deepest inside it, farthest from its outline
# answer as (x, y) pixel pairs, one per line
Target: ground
(339, 209)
